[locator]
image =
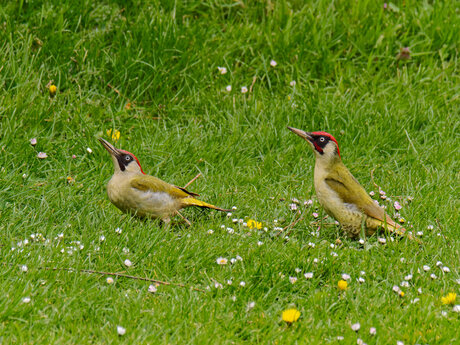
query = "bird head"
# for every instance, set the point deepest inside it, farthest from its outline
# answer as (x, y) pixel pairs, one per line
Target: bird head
(123, 161)
(323, 144)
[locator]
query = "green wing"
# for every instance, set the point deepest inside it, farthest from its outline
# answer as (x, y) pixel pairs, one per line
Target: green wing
(350, 191)
(153, 184)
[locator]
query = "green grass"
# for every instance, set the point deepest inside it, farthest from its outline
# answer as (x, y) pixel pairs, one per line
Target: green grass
(398, 117)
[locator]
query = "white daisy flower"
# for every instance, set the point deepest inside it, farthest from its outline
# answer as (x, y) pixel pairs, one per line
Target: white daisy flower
(382, 240)
(355, 327)
(273, 63)
(109, 280)
(152, 289)
(239, 258)
(433, 276)
(426, 268)
(244, 89)
(345, 276)
(233, 260)
(24, 268)
(121, 330)
(89, 150)
(210, 231)
(251, 305)
(361, 241)
(293, 83)
(311, 244)
(228, 88)
(218, 285)
(373, 331)
(259, 243)
(33, 141)
(430, 227)
(102, 238)
(438, 263)
(26, 300)
(222, 70)
(415, 300)
(221, 261)
(118, 231)
(446, 269)
(292, 280)
(404, 284)
(242, 284)
(42, 155)
(308, 275)
(456, 308)
(298, 270)
(408, 277)
(229, 282)
(128, 263)
(361, 280)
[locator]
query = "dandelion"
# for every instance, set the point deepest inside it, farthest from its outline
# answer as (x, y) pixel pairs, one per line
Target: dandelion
(355, 327)
(292, 280)
(109, 280)
(290, 315)
(342, 285)
(308, 275)
(449, 298)
(52, 90)
(228, 88)
(345, 276)
(244, 89)
(115, 134)
(33, 141)
(42, 155)
(221, 261)
(402, 220)
(253, 224)
(293, 83)
(26, 300)
(128, 263)
(273, 63)
(121, 330)
(222, 70)
(70, 179)
(152, 289)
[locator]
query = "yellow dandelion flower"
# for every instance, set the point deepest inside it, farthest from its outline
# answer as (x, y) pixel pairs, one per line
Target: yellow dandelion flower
(402, 294)
(52, 90)
(291, 315)
(115, 134)
(449, 298)
(342, 285)
(70, 179)
(253, 224)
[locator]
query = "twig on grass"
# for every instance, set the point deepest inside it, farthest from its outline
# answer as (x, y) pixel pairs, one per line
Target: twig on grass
(192, 180)
(373, 181)
(253, 82)
(115, 274)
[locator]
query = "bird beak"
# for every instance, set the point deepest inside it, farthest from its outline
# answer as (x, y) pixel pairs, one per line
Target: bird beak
(109, 147)
(301, 133)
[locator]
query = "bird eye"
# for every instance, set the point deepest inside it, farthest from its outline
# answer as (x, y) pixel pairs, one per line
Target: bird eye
(128, 158)
(322, 139)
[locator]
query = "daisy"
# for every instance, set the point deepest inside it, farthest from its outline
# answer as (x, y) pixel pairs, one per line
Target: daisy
(308, 275)
(273, 63)
(221, 261)
(244, 89)
(121, 330)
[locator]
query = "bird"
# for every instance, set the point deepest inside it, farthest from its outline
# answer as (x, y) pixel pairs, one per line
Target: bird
(339, 193)
(133, 191)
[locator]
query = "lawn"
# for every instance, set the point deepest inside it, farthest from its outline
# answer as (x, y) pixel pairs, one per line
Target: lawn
(170, 76)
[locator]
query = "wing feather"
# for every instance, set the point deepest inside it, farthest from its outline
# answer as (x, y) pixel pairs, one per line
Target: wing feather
(150, 183)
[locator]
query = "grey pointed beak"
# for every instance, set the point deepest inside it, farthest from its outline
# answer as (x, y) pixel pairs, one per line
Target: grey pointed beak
(301, 133)
(109, 147)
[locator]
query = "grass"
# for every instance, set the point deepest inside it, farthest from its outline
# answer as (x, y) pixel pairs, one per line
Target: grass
(395, 116)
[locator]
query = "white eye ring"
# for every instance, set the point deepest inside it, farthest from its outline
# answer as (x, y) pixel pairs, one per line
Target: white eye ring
(322, 139)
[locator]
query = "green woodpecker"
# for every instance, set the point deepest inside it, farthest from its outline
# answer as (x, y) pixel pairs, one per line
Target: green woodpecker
(340, 194)
(132, 191)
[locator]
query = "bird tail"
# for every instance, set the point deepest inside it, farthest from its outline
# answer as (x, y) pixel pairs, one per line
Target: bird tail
(195, 202)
